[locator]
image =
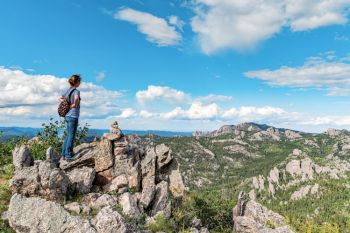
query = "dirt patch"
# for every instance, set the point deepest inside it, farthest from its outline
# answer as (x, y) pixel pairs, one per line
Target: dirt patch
(3, 181)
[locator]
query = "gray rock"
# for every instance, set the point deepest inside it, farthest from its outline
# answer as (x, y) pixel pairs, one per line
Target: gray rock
(196, 223)
(148, 191)
(255, 218)
(22, 157)
(52, 155)
(292, 134)
(97, 200)
(81, 179)
(73, 207)
(134, 176)
(108, 220)
(164, 155)
(148, 164)
(86, 157)
(104, 158)
(116, 184)
(161, 202)
(129, 205)
(34, 214)
(26, 181)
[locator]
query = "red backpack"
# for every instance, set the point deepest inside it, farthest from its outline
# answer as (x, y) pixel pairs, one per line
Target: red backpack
(64, 106)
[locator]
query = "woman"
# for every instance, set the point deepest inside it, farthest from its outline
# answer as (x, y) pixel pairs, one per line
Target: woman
(72, 117)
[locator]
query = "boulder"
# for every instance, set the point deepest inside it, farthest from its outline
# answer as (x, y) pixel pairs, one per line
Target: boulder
(129, 205)
(58, 185)
(86, 157)
(22, 157)
(104, 158)
(116, 184)
(148, 163)
(97, 200)
(26, 181)
(164, 155)
(73, 207)
(52, 156)
(161, 203)
(148, 191)
(176, 183)
(134, 176)
(81, 179)
(108, 220)
(33, 214)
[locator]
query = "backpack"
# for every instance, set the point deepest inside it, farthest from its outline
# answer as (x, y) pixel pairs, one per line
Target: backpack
(64, 106)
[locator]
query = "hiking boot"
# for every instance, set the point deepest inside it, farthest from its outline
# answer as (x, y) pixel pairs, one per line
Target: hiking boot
(72, 158)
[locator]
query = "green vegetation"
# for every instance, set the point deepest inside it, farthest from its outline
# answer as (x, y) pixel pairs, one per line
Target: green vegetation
(161, 224)
(49, 135)
(214, 201)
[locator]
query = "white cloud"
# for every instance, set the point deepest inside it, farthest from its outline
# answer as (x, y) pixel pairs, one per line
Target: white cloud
(176, 21)
(213, 98)
(100, 76)
(146, 114)
(156, 29)
(317, 72)
(161, 92)
(251, 113)
(307, 15)
(36, 95)
(197, 111)
(127, 113)
(243, 24)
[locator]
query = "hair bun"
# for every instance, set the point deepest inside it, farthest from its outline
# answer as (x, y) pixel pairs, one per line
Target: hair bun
(74, 79)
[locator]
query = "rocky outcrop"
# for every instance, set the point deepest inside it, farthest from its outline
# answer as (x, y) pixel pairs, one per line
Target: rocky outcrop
(41, 179)
(120, 170)
(250, 216)
(305, 190)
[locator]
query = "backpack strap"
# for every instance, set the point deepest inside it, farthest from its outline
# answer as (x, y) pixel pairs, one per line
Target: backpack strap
(70, 93)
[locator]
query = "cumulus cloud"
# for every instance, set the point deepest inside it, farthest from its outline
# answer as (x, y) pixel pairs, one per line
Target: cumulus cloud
(251, 113)
(323, 72)
(242, 24)
(36, 95)
(197, 111)
(157, 30)
(127, 113)
(161, 93)
(146, 114)
(306, 15)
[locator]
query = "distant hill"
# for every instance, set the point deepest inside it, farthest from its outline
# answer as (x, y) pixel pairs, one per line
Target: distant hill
(9, 132)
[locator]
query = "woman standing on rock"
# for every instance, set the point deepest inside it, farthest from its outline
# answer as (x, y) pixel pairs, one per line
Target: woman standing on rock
(72, 117)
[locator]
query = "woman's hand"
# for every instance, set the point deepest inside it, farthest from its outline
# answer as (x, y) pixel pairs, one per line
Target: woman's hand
(60, 99)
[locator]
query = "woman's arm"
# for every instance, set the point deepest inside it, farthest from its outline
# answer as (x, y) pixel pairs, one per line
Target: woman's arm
(60, 99)
(76, 101)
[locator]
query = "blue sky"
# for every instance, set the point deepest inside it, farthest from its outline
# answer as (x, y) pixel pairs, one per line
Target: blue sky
(178, 65)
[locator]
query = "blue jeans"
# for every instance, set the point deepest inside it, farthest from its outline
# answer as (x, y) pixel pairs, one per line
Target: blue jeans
(67, 147)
